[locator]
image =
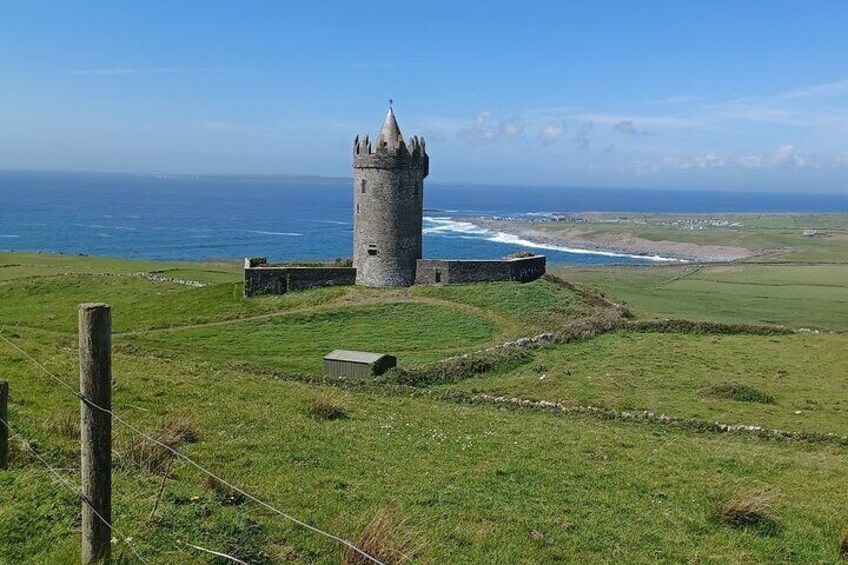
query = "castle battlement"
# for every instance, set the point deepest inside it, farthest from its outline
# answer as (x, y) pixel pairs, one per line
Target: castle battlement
(391, 153)
(383, 157)
(416, 147)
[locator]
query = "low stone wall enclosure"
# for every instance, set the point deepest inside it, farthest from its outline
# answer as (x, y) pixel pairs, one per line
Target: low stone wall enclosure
(270, 279)
(453, 271)
(262, 278)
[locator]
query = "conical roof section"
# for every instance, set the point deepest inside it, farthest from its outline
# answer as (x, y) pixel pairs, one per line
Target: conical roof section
(390, 134)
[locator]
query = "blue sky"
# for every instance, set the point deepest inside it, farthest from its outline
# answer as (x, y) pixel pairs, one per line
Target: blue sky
(719, 94)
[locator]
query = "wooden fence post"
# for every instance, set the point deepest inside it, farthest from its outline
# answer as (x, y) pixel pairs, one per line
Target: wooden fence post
(95, 355)
(4, 427)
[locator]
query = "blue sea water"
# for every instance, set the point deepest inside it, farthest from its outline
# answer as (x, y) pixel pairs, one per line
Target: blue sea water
(193, 218)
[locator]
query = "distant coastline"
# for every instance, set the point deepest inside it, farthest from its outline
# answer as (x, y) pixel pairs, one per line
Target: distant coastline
(577, 240)
(505, 232)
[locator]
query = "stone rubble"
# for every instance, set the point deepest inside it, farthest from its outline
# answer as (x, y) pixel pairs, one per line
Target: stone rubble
(143, 274)
(674, 421)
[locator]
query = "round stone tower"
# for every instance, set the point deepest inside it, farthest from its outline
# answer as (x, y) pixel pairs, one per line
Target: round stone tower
(388, 206)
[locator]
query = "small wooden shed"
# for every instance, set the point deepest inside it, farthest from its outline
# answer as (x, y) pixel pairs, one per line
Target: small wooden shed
(341, 363)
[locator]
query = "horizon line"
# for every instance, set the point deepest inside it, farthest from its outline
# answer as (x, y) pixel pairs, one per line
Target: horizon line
(318, 177)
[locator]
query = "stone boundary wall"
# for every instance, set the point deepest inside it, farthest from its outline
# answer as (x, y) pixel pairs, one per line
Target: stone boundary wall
(279, 280)
(452, 271)
(260, 278)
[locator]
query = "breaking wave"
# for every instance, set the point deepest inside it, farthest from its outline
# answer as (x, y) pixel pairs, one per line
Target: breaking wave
(336, 222)
(287, 233)
(443, 226)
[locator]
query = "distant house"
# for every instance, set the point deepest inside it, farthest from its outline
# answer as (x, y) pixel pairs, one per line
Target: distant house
(809, 232)
(341, 363)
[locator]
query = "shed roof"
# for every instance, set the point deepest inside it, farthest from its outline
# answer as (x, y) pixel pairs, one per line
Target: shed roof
(354, 356)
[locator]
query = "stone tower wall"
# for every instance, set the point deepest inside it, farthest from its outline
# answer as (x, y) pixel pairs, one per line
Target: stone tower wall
(388, 224)
(388, 197)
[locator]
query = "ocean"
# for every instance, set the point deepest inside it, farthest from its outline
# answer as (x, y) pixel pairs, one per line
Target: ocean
(195, 218)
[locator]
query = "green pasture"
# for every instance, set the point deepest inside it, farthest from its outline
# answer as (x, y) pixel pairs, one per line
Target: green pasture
(812, 296)
(29, 265)
(298, 343)
(469, 482)
(138, 304)
(672, 374)
(475, 484)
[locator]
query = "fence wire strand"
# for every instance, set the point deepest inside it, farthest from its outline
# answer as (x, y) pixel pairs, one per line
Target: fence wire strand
(218, 553)
(75, 491)
(190, 461)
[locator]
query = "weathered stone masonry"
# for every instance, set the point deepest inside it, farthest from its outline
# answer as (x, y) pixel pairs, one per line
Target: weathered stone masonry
(438, 271)
(388, 207)
(279, 280)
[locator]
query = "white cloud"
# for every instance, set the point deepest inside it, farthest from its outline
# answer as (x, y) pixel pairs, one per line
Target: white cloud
(749, 162)
(551, 132)
(778, 113)
(512, 127)
(801, 107)
(687, 132)
(482, 130)
(834, 89)
(784, 158)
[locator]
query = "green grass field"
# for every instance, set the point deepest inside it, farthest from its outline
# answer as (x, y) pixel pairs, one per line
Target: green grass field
(415, 332)
(469, 482)
(672, 374)
(811, 296)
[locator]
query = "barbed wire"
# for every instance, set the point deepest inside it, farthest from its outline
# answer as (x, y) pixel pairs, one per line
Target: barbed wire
(190, 461)
(75, 491)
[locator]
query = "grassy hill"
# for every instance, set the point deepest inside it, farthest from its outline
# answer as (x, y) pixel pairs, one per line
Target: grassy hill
(468, 479)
